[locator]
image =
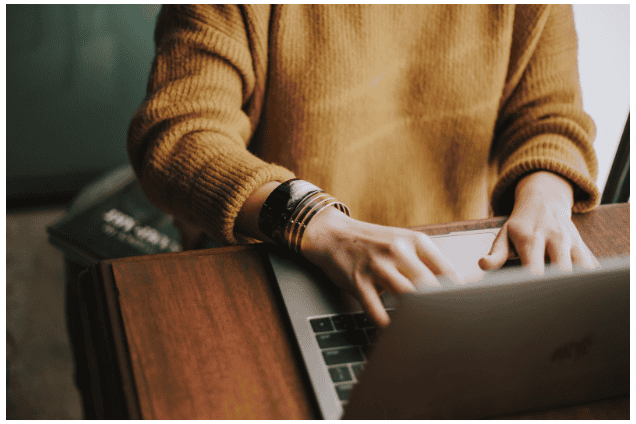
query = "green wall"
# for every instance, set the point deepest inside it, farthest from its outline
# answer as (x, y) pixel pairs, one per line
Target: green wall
(75, 75)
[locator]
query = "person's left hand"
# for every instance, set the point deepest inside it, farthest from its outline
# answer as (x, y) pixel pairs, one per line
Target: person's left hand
(541, 225)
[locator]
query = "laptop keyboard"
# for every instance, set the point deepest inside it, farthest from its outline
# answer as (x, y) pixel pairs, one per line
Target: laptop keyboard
(344, 341)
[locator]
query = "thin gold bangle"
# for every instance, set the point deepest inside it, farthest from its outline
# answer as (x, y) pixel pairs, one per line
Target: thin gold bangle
(301, 224)
(289, 226)
(313, 214)
(299, 217)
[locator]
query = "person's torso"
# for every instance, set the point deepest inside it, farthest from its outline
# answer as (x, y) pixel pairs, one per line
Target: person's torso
(389, 108)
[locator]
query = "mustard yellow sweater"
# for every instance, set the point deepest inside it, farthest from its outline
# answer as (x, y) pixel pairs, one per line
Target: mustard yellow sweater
(410, 114)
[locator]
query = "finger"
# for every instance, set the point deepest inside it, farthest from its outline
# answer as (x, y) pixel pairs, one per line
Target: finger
(498, 253)
(414, 269)
(418, 273)
(531, 251)
(372, 305)
(583, 256)
(560, 253)
(433, 258)
(390, 278)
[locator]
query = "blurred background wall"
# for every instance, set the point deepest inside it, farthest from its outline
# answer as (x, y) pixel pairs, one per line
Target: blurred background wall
(76, 74)
(603, 31)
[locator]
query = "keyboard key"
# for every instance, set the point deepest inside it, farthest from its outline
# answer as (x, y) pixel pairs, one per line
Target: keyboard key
(357, 369)
(321, 324)
(362, 320)
(343, 322)
(340, 374)
(341, 338)
(343, 355)
(344, 390)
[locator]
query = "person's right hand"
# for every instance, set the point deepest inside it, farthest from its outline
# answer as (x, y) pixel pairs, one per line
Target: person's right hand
(364, 259)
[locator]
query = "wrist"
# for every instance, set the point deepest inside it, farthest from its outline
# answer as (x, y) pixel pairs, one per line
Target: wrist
(547, 185)
(322, 231)
(290, 207)
(247, 220)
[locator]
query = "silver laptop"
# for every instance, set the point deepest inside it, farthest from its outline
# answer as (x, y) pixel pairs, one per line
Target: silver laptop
(507, 342)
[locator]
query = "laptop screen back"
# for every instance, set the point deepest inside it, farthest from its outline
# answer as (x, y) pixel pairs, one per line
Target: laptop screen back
(512, 342)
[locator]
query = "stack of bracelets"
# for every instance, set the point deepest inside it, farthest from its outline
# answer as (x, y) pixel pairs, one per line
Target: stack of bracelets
(289, 208)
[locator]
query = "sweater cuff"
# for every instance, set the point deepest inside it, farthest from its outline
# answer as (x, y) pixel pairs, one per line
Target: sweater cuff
(548, 152)
(225, 184)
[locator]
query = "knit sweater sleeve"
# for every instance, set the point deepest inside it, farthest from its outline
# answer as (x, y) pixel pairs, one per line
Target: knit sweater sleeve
(541, 125)
(188, 140)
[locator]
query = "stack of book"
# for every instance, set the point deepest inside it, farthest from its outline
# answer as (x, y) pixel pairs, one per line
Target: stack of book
(123, 223)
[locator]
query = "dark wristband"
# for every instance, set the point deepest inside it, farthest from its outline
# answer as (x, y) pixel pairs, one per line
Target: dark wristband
(280, 205)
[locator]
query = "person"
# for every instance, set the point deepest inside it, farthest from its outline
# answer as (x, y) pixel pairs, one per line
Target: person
(407, 114)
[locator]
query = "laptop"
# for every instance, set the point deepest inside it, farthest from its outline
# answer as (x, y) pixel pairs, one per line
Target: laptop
(506, 342)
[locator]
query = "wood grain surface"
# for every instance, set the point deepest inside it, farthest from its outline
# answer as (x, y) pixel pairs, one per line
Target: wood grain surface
(207, 338)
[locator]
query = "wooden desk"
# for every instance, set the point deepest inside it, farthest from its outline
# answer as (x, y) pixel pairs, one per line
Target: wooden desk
(201, 334)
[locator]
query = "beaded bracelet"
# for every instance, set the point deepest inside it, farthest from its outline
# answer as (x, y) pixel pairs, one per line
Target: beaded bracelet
(289, 208)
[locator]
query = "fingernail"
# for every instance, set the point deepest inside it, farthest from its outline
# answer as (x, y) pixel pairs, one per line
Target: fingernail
(483, 263)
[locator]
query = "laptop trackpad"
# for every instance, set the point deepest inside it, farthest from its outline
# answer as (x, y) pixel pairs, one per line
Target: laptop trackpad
(464, 249)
